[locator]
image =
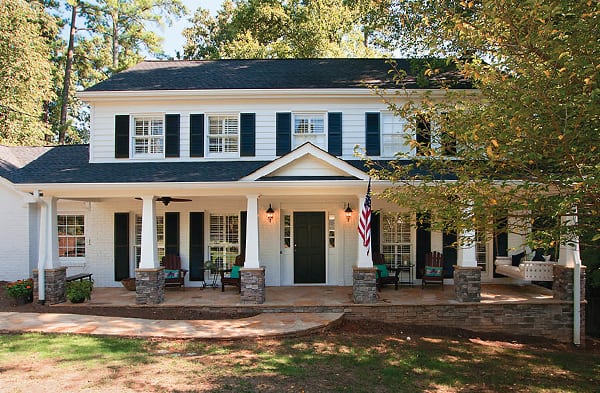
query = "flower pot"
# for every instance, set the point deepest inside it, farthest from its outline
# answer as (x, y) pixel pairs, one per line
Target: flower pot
(128, 283)
(78, 300)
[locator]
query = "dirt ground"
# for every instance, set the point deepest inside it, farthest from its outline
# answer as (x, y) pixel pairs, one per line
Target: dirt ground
(591, 345)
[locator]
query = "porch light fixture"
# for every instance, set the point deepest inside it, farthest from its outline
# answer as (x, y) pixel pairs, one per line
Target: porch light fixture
(348, 213)
(270, 213)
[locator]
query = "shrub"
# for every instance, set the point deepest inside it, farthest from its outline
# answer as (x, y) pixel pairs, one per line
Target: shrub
(78, 291)
(20, 288)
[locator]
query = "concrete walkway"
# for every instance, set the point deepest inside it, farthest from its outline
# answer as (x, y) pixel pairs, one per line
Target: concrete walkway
(262, 325)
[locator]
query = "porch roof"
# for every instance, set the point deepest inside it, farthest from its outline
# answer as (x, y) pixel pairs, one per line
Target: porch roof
(70, 164)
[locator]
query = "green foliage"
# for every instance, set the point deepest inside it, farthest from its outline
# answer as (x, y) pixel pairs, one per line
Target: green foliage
(26, 32)
(527, 140)
(20, 288)
(78, 291)
(295, 29)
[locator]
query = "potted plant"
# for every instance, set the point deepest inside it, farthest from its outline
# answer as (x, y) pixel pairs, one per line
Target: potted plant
(79, 291)
(21, 291)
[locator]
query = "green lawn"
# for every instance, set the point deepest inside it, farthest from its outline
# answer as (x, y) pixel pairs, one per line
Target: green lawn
(336, 361)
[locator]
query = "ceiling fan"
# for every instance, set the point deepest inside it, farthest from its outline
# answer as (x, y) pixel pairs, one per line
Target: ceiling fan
(166, 200)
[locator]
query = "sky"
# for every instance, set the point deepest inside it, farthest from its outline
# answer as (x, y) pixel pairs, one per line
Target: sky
(173, 40)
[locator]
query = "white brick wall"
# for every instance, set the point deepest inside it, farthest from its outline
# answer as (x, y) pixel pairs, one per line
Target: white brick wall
(14, 235)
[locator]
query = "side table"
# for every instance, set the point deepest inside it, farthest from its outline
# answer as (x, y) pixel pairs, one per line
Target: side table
(405, 276)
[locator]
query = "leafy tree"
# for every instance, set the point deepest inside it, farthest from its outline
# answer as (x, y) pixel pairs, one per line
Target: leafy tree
(25, 44)
(527, 141)
(281, 29)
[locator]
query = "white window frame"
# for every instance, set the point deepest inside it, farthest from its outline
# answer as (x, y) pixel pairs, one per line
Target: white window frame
(395, 137)
(137, 237)
(318, 139)
(158, 139)
(399, 250)
(223, 136)
(72, 260)
(224, 244)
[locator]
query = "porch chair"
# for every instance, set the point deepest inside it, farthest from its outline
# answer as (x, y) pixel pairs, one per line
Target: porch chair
(383, 274)
(232, 276)
(434, 269)
(174, 274)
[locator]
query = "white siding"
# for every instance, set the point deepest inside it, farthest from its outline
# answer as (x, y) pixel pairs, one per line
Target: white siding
(353, 120)
(14, 235)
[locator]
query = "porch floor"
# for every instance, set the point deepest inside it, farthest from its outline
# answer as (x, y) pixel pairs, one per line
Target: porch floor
(322, 296)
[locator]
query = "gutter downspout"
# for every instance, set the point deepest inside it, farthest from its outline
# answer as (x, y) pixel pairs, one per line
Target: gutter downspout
(42, 250)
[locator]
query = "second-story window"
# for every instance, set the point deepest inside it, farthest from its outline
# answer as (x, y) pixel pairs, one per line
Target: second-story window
(148, 136)
(223, 134)
(393, 135)
(309, 127)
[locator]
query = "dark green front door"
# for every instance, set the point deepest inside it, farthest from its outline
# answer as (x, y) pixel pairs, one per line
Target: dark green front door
(309, 248)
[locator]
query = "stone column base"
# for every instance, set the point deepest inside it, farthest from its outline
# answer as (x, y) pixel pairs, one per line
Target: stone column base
(55, 280)
(467, 284)
(364, 290)
(562, 286)
(150, 286)
(252, 285)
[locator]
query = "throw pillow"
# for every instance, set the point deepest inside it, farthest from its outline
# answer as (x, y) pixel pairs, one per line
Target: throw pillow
(516, 259)
(235, 272)
(169, 273)
(433, 271)
(383, 272)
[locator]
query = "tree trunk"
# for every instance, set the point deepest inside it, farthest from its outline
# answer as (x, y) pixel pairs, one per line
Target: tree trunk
(115, 40)
(67, 78)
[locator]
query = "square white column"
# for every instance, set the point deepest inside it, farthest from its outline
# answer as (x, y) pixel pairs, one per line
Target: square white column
(149, 247)
(252, 249)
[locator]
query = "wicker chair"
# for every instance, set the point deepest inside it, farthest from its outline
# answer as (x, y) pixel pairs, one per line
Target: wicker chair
(232, 276)
(434, 269)
(174, 274)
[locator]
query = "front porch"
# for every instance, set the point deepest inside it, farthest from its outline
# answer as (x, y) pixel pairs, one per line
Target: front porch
(527, 310)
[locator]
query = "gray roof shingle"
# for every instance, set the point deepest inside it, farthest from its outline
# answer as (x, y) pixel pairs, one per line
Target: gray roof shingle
(262, 74)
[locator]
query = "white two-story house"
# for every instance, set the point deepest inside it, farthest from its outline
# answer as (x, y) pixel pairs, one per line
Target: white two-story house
(212, 159)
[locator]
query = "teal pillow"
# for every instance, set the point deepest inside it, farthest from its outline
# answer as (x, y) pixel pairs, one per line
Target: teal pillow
(383, 272)
(171, 273)
(432, 271)
(235, 272)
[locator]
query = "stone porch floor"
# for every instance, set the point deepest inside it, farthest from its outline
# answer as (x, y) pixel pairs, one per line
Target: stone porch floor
(322, 296)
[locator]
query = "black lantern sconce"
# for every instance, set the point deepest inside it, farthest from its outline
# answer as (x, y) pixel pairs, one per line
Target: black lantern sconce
(348, 213)
(270, 212)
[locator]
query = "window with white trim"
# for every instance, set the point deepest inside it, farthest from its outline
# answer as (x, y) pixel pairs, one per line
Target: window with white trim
(396, 241)
(223, 134)
(309, 127)
(160, 238)
(148, 136)
(481, 250)
(331, 234)
(71, 235)
(394, 138)
(224, 239)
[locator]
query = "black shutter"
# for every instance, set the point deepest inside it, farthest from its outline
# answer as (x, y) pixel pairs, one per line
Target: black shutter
(122, 136)
(121, 246)
(243, 223)
(283, 130)
(172, 233)
(372, 135)
(375, 232)
(423, 135)
(196, 246)
(197, 135)
(247, 134)
(423, 241)
(334, 143)
(172, 135)
(450, 253)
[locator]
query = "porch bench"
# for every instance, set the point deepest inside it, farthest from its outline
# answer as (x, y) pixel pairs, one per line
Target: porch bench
(79, 277)
(527, 270)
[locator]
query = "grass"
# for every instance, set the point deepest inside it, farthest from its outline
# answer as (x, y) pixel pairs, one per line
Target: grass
(333, 362)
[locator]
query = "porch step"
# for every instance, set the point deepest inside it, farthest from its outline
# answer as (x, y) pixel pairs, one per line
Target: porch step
(261, 325)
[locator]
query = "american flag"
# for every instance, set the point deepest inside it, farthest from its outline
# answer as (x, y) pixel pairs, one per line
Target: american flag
(364, 224)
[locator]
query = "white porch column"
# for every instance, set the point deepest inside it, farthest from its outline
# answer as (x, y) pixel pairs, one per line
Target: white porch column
(252, 249)
(364, 257)
(569, 251)
(466, 255)
(149, 248)
(49, 234)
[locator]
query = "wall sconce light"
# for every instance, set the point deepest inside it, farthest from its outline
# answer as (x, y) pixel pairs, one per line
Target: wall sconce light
(348, 213)
(270, 213)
